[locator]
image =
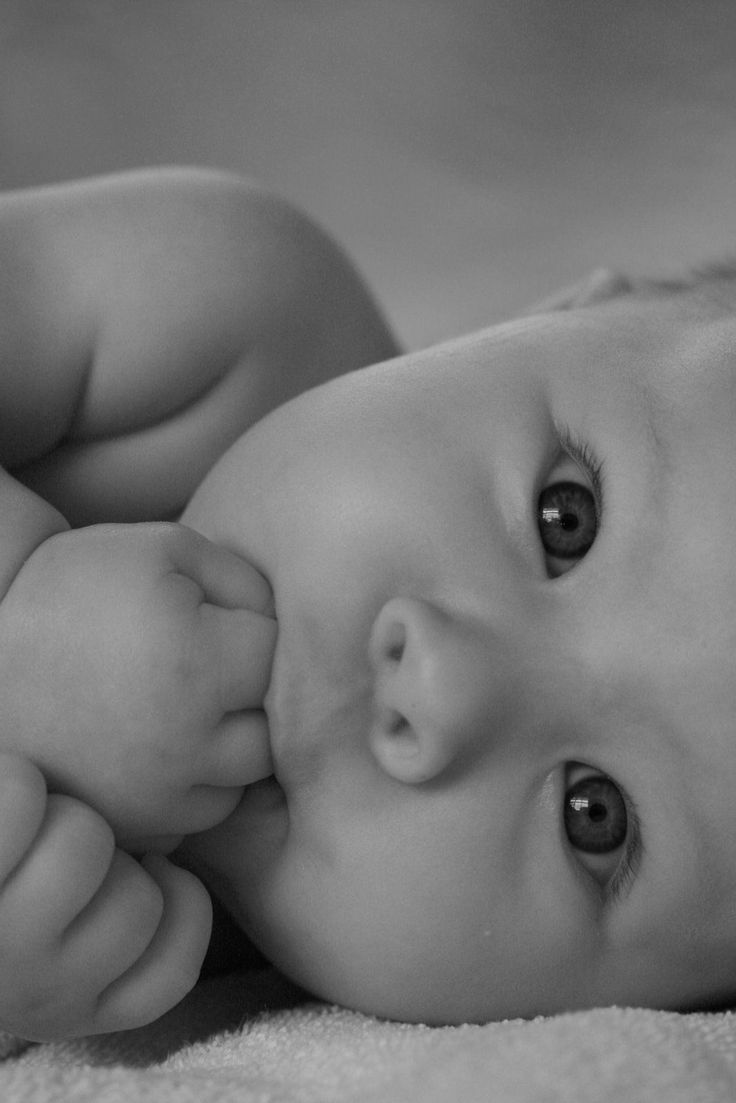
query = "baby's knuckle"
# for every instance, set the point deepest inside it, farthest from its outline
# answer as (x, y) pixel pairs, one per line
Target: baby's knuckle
(20, 778)
(81, 825)
(75, 813)
(169, 534)
(17, 770)
(144, 896)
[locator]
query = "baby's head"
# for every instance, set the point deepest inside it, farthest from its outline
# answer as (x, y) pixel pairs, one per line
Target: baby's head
(503, 705)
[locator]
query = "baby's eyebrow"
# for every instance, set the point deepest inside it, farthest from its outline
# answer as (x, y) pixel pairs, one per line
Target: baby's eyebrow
(713, 282)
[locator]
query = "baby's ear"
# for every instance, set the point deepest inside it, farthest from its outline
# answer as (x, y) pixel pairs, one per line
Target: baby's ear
(598, 286)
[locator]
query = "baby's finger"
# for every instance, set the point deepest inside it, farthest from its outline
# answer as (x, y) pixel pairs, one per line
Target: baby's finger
(61, 872)
(239, 751)
(112, 932)
(225, 578)
(22, 809)
(170, 965)
(241, 644)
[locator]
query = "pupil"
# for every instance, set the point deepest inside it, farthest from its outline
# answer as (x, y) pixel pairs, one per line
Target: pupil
(597, 812)
(569, 522)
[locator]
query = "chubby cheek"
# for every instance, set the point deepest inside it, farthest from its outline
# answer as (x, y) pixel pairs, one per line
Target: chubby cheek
(355, 918)
(388, 916)
(332, 551)
(373, 513)
(366, 949)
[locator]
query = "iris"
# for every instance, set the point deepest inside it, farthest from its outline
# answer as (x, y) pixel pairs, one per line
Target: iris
(595, 815)
(568, 520)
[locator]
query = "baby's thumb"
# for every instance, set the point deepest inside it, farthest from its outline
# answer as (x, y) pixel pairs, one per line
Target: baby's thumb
(170, 966)
(227, 579)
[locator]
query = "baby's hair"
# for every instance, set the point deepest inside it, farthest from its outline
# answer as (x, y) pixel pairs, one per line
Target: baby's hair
(713, 282)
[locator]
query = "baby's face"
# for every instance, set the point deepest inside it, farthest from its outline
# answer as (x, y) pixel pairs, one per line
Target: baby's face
(502, 708)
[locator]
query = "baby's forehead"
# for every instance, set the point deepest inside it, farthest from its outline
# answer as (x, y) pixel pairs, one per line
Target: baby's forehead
(700, 365)
(672, 352)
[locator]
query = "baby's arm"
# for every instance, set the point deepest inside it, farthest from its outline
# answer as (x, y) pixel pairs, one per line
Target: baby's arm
(147, 319)
(145, 322)
(134, 663)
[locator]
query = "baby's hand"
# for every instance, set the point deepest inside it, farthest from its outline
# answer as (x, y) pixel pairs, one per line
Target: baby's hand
(135, 660)
(90, 941)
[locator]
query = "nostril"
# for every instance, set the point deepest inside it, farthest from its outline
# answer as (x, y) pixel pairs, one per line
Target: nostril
(395, 723)
(389, 637)
(395, 642)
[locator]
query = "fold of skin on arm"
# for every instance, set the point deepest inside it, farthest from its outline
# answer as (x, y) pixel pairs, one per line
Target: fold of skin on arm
(146, 320)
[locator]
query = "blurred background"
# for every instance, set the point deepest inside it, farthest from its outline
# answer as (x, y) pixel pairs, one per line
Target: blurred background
(472, 155)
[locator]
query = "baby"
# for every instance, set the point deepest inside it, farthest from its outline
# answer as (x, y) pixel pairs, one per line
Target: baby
(488, 772)
(503, 700)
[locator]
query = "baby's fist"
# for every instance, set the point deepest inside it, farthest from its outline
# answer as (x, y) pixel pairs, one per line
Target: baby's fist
(135, 663)
(90, 940)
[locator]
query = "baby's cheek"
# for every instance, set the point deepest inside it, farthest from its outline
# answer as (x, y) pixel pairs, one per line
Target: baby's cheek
(206, 508)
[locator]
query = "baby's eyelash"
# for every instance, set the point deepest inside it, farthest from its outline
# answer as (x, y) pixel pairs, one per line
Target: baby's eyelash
(628, 867)
(585, 456)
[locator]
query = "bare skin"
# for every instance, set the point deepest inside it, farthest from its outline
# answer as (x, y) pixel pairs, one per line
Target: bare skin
(146, 321)
(446, 687)
(493, 761)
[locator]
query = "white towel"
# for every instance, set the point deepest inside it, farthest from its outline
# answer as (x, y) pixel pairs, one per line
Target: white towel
(251, 1038)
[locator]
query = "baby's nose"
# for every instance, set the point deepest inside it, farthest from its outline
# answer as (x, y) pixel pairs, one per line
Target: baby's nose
(441, 689)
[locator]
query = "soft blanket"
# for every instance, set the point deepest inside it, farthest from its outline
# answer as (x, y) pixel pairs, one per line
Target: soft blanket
(253, 1038)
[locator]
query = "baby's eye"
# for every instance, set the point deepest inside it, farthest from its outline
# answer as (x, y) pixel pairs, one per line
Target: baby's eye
(595, 815)
(567, 516)
(596, 824)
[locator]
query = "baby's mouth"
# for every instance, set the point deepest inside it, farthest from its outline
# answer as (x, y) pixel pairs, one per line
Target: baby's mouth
(269, 708)
(265, 788)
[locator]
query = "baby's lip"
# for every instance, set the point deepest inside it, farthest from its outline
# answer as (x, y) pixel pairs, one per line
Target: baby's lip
(283, 750)
(271, 722)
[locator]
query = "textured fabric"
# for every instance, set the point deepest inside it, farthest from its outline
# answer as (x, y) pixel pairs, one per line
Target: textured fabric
(250, 1038)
